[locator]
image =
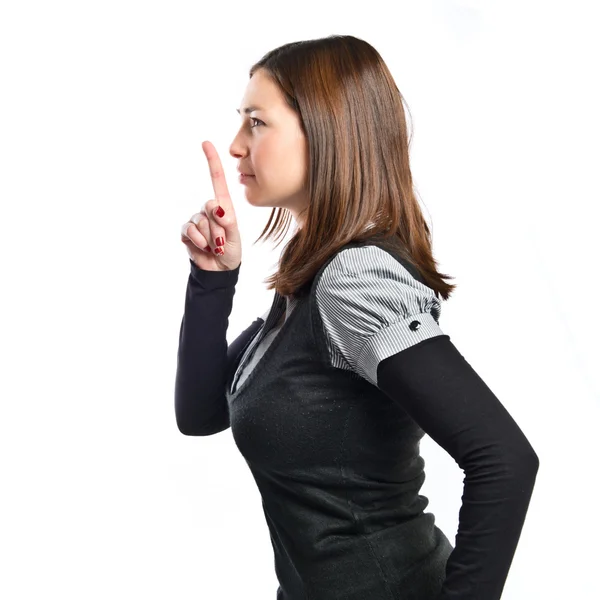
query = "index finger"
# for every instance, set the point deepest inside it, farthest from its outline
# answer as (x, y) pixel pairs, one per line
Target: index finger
(216, 172)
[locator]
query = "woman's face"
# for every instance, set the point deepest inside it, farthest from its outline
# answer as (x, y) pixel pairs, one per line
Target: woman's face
(272, 146)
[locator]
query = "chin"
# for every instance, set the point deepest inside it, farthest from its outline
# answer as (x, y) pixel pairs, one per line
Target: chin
(257, 202)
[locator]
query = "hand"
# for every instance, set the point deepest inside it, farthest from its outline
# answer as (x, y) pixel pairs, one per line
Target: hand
(205, 227)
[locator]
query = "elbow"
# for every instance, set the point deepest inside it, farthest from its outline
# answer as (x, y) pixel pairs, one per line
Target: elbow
(511, 463)
(200, 409)
(534, 460)
(519, 456)
(200, 431)
(527, 456)
(200, 426)
(523, 462)
(526, 470)
(185, 429)
(184, 425)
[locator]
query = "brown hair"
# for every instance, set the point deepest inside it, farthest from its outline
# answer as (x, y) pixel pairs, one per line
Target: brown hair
(352, 115)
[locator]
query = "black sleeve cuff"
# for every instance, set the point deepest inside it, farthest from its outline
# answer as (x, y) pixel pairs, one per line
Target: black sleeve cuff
(211, 280)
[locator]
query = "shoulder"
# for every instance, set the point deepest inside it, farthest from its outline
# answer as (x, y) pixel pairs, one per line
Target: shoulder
(370, 272)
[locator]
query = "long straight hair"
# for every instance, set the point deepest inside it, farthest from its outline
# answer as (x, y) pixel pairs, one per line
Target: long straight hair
(359, 180)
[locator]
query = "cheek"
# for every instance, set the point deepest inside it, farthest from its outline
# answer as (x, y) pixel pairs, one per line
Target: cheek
(280, 161)
(269, 164)
(266, 154)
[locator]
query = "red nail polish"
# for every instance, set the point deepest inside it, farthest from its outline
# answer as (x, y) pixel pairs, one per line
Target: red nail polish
(219, 241)
(219, 212)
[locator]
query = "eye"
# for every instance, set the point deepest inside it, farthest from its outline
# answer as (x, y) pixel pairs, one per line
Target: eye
(254, 119)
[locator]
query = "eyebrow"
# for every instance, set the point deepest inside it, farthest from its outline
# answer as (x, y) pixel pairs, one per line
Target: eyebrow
(249, 109)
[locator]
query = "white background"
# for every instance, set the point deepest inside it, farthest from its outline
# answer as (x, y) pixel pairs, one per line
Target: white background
(103, 109)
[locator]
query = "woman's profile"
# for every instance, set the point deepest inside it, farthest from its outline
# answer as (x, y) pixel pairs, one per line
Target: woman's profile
(330, 391)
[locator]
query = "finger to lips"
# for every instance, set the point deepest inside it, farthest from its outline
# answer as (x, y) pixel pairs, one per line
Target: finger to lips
(216, 173)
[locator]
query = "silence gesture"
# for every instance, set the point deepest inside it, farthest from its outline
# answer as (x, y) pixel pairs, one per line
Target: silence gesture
(213, 241)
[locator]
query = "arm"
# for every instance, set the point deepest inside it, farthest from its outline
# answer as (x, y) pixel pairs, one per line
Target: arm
(450, 402)
(204, 359)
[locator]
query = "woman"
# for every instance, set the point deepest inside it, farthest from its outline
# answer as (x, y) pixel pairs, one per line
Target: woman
(329, 393)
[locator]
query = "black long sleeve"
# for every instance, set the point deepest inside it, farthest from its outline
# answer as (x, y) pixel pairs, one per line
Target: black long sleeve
(440, 390)
(203, 358)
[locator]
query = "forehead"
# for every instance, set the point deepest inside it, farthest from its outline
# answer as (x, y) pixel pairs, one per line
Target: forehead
(261, 93)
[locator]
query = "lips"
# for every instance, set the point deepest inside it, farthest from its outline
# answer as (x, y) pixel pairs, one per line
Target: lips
(245, 179)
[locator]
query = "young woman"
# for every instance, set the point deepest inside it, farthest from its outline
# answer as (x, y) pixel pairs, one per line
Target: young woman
(329, 393)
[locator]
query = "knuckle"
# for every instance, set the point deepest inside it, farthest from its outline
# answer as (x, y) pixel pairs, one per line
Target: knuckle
(196, 217)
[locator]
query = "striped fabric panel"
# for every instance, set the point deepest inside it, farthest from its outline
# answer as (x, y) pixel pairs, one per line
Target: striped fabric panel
(372, 308)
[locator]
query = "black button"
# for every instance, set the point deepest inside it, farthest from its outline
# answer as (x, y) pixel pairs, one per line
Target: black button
(415, 325)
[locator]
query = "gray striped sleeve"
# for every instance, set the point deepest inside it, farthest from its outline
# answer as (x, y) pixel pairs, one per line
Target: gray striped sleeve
(372, 308)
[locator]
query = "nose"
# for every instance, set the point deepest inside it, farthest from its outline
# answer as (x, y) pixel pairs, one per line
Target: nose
(237, 149)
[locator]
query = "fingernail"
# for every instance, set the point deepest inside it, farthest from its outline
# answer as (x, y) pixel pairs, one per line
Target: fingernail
(207, 249)
(219, 251)
(220, 241)
(219, 212)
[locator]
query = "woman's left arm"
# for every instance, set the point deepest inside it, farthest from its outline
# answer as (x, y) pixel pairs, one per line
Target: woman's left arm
(440, 390)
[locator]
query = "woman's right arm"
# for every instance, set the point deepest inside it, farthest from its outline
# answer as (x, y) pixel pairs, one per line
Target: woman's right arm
(204, 360)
